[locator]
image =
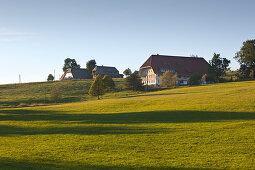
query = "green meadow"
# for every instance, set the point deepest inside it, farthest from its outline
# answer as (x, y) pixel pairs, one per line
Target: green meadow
(202, 127)
(40, 93)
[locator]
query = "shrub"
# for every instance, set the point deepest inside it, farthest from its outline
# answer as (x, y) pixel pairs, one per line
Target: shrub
(195, 79)
(134, 82)
(50, 77)
(168, 79)
(108, 82)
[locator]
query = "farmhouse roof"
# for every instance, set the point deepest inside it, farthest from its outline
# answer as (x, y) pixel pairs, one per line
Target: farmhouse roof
(105, 70)
(78, 73)
(182, 65)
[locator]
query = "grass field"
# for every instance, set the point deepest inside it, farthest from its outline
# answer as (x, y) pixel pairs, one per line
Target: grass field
(211, 127)
(39, 93)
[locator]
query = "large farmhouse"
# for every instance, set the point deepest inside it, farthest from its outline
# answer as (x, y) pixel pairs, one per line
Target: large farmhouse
(156, 65)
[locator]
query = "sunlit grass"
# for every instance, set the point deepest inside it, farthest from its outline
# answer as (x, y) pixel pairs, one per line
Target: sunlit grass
(209, 127)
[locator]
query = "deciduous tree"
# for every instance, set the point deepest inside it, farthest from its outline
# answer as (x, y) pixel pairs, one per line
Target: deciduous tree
(168, 79)
(50, 77)
(134, 82)
(108, 82)
(219, 65)
(90, 65)
(70, 63)
(97, 88)
(246, 58)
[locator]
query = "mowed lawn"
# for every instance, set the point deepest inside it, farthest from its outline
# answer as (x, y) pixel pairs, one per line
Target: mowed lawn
(211, 127)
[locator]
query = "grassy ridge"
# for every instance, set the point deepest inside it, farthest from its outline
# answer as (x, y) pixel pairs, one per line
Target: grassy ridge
(208, 127)
(12, 95)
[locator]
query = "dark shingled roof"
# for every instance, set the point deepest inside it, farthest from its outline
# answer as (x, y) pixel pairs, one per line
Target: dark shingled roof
(185, 66)
(78, 73)
(106, 70)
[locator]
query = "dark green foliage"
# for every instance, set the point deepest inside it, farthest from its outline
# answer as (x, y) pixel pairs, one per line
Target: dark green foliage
(50, 77)
(97, 88)
(134, 82)
(70, 63)
(90, 65)
(108, 82)
(219, 66)
(127, 72)
(195, 79)
(246, 59)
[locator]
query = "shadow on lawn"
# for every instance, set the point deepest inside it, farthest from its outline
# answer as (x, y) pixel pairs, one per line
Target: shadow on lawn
(96, 124)
(9, 130)
(6, 163)
(124, 118)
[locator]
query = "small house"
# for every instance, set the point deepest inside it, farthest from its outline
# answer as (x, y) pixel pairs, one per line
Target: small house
(105, 70)
(75, 73)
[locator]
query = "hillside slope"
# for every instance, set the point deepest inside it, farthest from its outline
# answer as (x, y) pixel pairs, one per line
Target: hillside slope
(209, 126)
(12, 95)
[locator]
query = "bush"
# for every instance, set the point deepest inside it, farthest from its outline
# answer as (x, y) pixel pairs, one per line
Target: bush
(134, 82)
(168, 79)
(108, 82)
(50, 77)
(195, 79)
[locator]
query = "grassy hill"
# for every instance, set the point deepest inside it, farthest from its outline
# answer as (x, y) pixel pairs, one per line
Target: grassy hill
(209, 126)
(27, 94)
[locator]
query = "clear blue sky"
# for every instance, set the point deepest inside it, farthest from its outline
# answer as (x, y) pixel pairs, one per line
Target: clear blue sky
(37, 35)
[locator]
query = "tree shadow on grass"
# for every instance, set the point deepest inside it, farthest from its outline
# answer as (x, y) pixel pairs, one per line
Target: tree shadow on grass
(124, 118)
(7, 163)
(10, 130)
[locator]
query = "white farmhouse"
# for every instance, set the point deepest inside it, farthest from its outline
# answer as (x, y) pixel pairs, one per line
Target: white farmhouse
(156, 65)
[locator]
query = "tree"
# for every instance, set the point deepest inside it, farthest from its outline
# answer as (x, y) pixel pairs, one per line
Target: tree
(108, 82)
(90, 65)
(97, 88)
(127, 72)
(50, 77)
(219, 65)
(70, 63)
(246, 58)
(134, 82)
(195, 79)
(168, 79)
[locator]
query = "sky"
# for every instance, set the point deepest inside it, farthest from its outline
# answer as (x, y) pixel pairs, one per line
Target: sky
(37, 35)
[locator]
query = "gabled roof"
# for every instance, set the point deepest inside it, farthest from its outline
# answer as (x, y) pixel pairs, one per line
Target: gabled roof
(105, 70)
(78, 73)
(185, 66)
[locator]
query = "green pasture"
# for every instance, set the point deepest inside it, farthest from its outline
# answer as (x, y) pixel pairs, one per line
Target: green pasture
(40, 93)
(203, 127)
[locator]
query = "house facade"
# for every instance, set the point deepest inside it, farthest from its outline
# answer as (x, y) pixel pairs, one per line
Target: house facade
(156, 65)
(105, 70)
